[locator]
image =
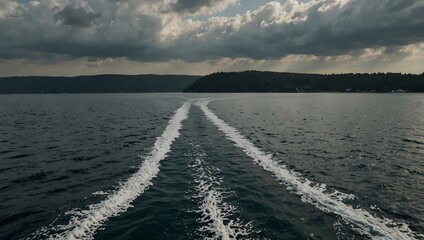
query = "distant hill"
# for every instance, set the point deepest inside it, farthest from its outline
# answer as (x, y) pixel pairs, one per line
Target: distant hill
(256, 81)
(248, 81)
(97, 84)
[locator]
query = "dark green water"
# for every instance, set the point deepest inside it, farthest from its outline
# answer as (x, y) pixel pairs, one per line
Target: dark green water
(246, 166)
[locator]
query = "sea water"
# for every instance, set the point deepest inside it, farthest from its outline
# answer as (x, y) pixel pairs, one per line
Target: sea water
(212, 166)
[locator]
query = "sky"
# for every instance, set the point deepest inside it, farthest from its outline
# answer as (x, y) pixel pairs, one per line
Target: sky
(199, 37)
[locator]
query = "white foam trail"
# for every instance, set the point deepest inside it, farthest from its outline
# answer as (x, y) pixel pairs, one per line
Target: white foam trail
(215, 211)
(361, 220)
(85, 222)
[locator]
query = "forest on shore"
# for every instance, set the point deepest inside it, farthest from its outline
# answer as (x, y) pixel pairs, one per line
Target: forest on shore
(257, 81)
(247, 81)
(97, 84)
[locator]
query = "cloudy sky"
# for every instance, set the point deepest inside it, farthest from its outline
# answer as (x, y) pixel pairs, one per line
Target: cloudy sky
(73, 37)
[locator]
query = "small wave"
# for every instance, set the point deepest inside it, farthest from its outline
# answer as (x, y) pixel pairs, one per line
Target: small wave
(317, 195)
(84, 223)
(83, 158)
(78, 171)
(34, 177)
(6, 151)
(216, 213)
(12, 218)
(56, 190)
(20, 156)
(412, 141)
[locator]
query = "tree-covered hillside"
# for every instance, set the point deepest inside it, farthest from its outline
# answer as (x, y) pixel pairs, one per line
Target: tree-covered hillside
(255, 81)
(97, 84)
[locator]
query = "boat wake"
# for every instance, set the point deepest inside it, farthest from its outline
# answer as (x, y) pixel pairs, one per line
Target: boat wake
(84, 223)
(317, 195)
(217, 216)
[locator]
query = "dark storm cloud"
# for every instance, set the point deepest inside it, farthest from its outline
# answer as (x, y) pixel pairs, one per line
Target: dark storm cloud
(76, 16)
(128, 29)
(193, 6)
(358, 25)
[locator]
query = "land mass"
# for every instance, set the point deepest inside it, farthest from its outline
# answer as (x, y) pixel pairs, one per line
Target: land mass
(256, 81)
(247, 81)
(97, 84)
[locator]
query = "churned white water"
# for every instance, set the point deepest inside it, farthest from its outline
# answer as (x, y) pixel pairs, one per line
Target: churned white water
(84, 223)
(317, 195)
(216, 214)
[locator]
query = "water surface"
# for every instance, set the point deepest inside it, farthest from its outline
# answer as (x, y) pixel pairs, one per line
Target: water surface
(63, 155)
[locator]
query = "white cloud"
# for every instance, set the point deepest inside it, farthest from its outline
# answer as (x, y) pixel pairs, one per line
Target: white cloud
(7, 8)
(327, 6)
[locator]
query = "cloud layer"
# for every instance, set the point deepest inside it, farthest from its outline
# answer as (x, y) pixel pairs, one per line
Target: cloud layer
(193, 31)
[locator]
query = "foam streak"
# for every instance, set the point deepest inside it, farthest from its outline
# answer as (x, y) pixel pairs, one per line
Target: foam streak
(216, 213)
(85, 222)
(363, 221)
